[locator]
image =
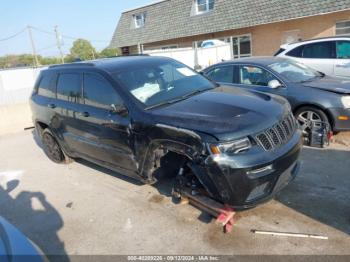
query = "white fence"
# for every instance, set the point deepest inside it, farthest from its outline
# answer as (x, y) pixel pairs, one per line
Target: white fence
(17, 84)
(205, 56)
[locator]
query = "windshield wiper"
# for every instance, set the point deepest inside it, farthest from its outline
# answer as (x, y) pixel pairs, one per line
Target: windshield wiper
(195, 92)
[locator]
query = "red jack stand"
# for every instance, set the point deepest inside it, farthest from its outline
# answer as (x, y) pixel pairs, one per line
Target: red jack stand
(226, 219)
(224, 215)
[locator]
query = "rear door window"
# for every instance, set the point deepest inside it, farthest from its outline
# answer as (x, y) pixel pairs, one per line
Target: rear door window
(223, 74)
(321, 50)
(343, 49)
(99, 92)
(69, 87)
(47, 86)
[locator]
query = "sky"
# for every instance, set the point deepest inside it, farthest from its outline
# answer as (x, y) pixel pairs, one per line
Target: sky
(94, 20)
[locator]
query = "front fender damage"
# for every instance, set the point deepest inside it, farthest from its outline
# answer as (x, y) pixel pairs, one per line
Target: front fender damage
(163, 139)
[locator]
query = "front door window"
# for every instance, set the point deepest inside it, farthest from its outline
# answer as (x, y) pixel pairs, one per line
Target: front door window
(250, 75)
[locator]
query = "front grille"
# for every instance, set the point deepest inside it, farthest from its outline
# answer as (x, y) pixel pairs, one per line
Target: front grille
(277, 135)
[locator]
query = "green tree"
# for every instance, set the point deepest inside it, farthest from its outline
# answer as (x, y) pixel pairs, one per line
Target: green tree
(49, 60)
(109, 52)
(83, 50)
(69, 58)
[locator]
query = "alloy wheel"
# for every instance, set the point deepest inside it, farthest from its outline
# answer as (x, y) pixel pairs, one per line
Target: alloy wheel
(306, 120)
(53, 150)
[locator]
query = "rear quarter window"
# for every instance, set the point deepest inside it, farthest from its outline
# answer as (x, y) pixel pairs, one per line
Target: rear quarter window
(296, 52)
(279, 51)
(46, 85)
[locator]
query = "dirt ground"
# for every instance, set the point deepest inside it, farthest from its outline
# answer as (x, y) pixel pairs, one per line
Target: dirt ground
(81, 208)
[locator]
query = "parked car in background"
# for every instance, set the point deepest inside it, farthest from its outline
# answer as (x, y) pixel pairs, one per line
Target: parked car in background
(140, 114)
(212, 43)
(314, 96)
(16, 247)
(330, 56)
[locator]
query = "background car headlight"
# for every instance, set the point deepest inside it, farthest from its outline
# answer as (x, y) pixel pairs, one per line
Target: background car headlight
(346, 101)
(230, 148)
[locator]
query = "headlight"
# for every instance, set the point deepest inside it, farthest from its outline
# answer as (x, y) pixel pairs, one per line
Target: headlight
(346, 101)
(230, 148)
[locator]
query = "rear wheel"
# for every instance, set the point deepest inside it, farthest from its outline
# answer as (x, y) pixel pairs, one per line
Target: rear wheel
(51, 147)
(307, 116)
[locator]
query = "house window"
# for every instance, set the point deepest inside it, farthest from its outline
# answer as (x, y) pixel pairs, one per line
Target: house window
(343, 28)
(203, 6)
(140, 20)
(242, 46)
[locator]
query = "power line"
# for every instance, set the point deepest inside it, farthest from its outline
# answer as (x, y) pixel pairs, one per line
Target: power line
(65, 36)
(42, 31)
(76, 38)
(47, 47)
(51, 33)
(14, 35)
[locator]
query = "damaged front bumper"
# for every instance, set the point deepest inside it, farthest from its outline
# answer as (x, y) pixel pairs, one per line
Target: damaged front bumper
(251, 178)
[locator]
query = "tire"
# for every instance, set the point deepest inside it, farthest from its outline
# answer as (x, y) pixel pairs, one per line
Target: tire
(308, 114)
(51, 148)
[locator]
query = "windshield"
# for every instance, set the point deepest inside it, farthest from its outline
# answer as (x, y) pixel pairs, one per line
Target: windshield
(162, 82)
(294, 71)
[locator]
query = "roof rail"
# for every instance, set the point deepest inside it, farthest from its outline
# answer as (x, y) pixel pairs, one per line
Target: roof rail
(320, 38)
(72, 65)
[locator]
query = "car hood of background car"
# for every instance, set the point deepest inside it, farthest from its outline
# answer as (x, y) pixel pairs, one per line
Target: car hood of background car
(332, 84)
(224, 112)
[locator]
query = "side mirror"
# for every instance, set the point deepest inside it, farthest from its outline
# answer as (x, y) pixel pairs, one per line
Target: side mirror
(274, 84)
(119, 109)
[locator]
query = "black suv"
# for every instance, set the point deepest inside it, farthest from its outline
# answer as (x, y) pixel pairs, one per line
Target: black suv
(142, 116)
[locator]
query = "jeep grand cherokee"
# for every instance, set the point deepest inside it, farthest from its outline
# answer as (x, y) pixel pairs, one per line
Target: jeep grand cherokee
(142, 116)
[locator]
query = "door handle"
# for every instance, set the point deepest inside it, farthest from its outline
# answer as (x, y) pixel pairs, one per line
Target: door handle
(51, 106)
(84, 114)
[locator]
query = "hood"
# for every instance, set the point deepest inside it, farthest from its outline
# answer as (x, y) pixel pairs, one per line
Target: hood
(224, 112)
(331, 84)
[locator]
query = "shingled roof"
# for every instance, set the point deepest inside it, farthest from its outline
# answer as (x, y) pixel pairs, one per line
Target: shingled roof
(172, 19)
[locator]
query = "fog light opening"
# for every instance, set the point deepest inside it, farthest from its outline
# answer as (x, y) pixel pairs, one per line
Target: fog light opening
(257, 192)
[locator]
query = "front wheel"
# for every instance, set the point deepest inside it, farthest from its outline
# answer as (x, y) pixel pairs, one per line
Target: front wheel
(307, 116)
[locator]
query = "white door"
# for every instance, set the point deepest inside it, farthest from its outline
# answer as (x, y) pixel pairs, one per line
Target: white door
(325, 66)
(342, 63)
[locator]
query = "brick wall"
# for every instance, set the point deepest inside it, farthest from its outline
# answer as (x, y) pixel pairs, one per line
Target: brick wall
(266, 39)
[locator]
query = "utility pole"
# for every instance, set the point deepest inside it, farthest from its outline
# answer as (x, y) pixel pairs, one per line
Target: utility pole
(35, 60)
(58, 41)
